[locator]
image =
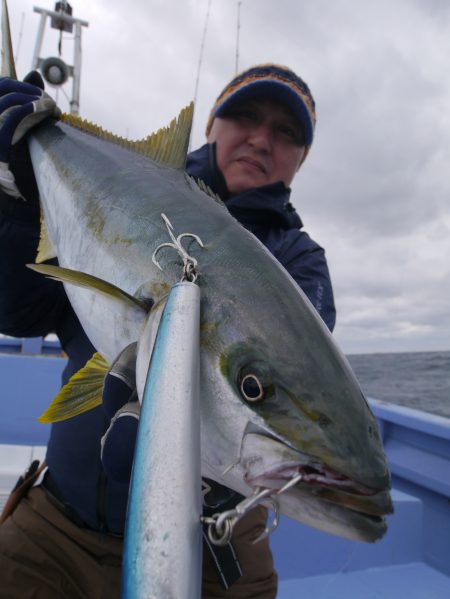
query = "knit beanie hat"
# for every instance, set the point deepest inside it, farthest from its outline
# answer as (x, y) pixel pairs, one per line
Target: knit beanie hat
(271, 81)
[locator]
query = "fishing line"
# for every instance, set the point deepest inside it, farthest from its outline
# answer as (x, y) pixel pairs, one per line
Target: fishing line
(63, 91)
(238, 30)
(322, 590)
(200, 61)
(22, 21)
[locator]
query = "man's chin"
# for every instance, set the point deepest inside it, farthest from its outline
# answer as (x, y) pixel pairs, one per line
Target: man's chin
(243, 182)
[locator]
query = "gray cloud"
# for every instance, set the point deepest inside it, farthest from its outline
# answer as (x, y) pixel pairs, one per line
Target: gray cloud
(375, 188)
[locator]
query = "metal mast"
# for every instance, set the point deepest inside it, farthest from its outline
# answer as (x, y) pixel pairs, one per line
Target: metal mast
(54, 69)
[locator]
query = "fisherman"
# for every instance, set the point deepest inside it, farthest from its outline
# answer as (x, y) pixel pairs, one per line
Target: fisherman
(64, 538)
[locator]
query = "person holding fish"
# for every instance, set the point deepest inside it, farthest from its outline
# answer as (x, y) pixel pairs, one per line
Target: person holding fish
(64, 536)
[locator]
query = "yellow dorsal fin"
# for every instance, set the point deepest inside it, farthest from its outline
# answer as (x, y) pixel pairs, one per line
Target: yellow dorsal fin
(167, 146)
(8, 68)
(83, 392)
(82, 279)
(45, 250)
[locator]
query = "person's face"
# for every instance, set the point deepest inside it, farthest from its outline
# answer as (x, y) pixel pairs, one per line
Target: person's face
(259, 142)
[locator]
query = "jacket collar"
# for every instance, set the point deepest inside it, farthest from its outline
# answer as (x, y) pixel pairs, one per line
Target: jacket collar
(266, 206)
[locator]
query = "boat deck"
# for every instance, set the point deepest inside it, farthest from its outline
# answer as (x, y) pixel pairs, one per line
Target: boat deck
(313, 564)
(413, 559)
(415, 580)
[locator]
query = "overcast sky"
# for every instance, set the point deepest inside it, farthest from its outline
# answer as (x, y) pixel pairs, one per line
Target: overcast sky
(374, 190)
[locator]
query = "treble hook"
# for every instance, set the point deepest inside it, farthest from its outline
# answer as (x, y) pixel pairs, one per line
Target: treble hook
(275, 506)
(189, 263)
(221, 525)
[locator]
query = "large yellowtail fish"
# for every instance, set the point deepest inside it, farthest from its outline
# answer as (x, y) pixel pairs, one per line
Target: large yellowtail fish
(279, 402)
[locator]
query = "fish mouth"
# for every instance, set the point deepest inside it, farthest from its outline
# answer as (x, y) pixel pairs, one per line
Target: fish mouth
(327, 485)
(269, 463)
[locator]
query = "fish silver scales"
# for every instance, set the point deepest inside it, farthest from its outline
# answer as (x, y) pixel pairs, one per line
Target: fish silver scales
(254, 318)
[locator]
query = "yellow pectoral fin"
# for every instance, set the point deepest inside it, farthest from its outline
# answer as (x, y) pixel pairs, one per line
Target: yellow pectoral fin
(82, 393)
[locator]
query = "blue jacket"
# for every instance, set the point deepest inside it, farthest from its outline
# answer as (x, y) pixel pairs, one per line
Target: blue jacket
(268, 214)
(32, 305)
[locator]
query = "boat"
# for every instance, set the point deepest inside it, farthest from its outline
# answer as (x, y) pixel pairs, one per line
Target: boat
(413, 559)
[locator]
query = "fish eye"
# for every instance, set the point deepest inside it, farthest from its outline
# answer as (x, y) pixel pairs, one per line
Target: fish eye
(251, 388)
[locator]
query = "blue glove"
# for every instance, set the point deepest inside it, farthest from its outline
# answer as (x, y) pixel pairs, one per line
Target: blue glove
(121, 405)
(22, 106)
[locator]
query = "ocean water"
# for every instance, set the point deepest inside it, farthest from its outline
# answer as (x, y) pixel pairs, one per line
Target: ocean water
(419, 380)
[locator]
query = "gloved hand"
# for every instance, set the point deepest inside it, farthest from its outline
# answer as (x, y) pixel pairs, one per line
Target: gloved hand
(22, 106)
(121, 405)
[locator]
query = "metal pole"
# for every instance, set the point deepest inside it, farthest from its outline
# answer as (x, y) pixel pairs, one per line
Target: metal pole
(76, 69)
(61, 16)
(40, 37)
(75, 103)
